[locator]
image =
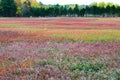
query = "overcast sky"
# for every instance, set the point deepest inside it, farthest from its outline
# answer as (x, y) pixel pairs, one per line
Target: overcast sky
(76, 1)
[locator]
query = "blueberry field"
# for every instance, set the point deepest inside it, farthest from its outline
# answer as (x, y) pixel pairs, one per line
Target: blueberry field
(60, 48)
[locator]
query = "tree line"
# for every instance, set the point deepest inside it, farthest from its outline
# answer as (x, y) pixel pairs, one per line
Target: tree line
(27, 8)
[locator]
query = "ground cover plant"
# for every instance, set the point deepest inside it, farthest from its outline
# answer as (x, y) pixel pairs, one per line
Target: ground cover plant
(59, 48)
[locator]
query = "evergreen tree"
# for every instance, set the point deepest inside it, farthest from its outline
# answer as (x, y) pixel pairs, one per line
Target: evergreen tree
(76, 10)
(8, 8)
(0, 10)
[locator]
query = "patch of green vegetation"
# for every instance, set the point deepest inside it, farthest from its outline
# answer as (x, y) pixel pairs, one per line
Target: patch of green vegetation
(102, 36)
(87, 66)
(12, 25)
(61, 35)
(48, 25)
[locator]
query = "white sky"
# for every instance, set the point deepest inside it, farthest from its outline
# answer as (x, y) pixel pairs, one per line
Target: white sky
(76, 1)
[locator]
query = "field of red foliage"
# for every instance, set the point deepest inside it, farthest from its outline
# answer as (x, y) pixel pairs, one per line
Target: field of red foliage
(59, 48)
